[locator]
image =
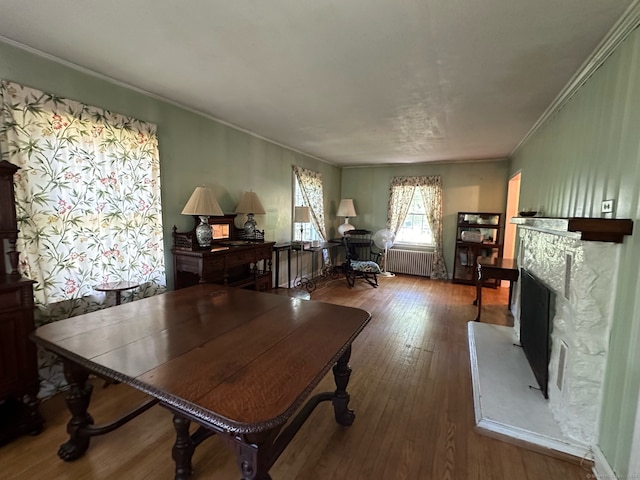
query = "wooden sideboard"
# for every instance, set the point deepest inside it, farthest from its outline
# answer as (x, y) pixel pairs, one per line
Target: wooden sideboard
(19, 382)
(231, 260)
(243, 264)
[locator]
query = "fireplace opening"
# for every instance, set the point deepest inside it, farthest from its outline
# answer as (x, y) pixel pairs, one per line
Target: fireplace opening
(537, 304)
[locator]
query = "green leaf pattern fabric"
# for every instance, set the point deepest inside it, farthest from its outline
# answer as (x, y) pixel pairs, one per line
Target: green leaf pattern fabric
(87, 201)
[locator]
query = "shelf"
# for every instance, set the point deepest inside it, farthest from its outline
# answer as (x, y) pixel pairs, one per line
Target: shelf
(588, 229)
(478, 244)
(490, 227)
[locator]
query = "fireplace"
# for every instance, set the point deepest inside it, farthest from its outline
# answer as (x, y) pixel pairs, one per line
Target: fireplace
(577, 262)
(579, 274)
(537, 306)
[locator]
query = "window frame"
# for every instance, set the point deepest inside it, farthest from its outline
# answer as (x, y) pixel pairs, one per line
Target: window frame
(422, 245)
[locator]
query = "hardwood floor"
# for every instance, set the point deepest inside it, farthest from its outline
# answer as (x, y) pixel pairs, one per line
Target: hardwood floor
(410, 388)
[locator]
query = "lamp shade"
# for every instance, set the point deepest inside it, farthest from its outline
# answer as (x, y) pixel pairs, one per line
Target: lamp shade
(250, 203)
(202, 202)
(301, 215)
(346, 208)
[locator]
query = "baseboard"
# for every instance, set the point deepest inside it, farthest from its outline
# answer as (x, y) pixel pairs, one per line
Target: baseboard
(601, 468)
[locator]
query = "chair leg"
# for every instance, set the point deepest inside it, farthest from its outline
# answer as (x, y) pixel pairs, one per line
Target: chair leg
(350, 275)
(371, 280)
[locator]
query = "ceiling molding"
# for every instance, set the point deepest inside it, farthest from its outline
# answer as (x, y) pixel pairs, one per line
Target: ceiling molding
(427, 163)
(627, 23)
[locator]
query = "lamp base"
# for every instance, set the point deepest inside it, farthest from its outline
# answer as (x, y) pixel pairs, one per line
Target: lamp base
(250, 226)
(345, 227)
(203, 232)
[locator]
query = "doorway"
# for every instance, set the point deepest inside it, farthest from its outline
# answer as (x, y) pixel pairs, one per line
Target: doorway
(513, 197)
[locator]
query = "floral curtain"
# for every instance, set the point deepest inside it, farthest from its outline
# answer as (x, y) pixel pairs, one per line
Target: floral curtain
(431, 189)
(312, 192)
(87, 201)
(401, 193)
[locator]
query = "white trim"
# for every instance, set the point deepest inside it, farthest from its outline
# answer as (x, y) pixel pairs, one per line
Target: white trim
(601, 468)
(626, 24)
(483, 423)
(155, 96)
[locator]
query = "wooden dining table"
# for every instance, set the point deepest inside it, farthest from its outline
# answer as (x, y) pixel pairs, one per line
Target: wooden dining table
(238, 363)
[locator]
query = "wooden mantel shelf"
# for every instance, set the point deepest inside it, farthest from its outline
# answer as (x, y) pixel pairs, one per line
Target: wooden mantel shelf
(588, 229)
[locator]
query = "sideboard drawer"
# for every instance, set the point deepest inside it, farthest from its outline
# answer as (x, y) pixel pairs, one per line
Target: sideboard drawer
(264, 253)
(241, 258)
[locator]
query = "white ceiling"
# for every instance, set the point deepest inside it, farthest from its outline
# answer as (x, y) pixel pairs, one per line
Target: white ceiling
(353, 82)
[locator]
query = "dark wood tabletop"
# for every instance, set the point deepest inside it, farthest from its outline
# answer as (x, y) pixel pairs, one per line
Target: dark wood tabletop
(233, 360)
(117, 287)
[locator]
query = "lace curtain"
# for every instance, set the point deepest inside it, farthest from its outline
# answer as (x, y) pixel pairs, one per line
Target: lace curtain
(312, 192)
(401, 191)
(87, 201)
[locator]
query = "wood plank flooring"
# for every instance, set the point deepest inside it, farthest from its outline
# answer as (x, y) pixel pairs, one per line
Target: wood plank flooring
(410, 388)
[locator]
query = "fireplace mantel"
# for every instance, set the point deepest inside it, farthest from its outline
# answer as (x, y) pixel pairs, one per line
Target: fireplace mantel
(588, 229)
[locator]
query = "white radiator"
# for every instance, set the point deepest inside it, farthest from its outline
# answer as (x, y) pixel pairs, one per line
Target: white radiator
(412, 262)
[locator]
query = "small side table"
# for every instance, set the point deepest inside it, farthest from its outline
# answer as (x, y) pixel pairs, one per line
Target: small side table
(498, 268)
(117, 287)
(280, 247)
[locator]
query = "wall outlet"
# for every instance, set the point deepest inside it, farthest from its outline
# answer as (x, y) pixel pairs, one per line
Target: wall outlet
(607, 206)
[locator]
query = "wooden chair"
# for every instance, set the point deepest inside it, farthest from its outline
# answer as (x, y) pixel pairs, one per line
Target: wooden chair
(360, 259)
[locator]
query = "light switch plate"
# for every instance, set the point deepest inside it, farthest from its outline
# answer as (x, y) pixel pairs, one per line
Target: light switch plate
(607, 206)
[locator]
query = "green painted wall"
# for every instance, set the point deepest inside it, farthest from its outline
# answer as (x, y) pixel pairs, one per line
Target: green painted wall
(588, 152)
(473, 186)
(194, 149)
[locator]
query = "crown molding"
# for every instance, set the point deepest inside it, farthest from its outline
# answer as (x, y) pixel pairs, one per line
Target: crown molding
(625, 25)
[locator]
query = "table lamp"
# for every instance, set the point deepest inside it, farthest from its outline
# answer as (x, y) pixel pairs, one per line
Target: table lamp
(346, 210)
(203, 204)
(250, 204)
(301, 215)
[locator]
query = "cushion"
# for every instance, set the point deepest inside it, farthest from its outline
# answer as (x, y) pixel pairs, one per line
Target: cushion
(365, 266)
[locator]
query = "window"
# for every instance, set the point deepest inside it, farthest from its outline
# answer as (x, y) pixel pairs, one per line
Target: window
(415, 215)
(308, 192)
(302, 231)
(415, 230)
(87, 196)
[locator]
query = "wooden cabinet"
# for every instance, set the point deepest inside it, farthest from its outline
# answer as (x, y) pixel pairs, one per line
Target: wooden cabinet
(243, 264)
(478, 234)
(19, 382)
(229, 261)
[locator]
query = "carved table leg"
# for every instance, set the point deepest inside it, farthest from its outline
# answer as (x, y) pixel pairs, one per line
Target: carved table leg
(183, 448)
(253, 452)
(342, 373)
(77, 398)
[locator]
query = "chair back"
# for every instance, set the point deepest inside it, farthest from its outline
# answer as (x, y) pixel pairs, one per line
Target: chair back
(358, 244)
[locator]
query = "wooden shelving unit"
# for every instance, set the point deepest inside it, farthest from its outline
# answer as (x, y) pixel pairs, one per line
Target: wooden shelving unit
(478, 234)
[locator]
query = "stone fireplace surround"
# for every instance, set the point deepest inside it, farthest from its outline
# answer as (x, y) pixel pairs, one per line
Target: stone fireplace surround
(581, 273)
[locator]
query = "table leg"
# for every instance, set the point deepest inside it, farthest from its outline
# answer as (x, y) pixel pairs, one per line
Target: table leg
(277, 283)
(77, 398)
(341, 374)
(118, 297)
(478, 302)
(254, 454)
(510, 294)
(183, 448)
